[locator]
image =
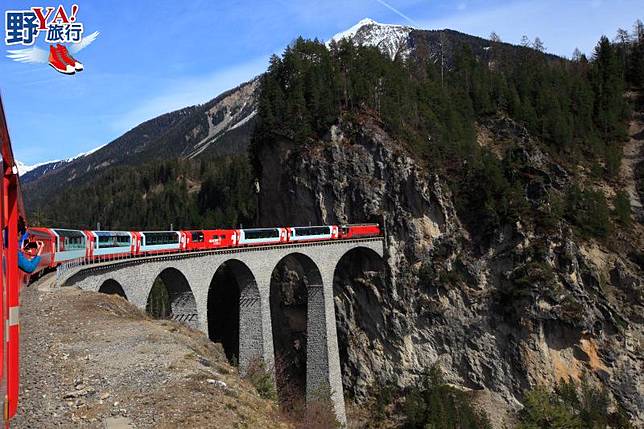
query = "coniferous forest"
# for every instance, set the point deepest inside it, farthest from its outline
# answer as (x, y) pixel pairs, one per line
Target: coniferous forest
(178, 193)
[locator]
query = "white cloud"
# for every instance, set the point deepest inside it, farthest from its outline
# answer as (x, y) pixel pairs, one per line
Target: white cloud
(190, 91)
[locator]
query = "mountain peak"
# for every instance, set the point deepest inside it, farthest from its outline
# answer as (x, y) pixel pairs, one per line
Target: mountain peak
(389, 38)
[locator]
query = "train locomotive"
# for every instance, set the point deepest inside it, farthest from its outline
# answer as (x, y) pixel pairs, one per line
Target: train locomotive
(61, 245)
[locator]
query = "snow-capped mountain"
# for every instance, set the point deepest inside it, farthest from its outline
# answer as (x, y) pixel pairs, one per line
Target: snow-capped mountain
(29, 173)
(391, 39)
(25, 168)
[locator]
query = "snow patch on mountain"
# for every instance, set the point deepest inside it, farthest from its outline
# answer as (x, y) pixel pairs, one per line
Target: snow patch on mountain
(89, 152)
(42, 168)
(24, 168)
(392, 39)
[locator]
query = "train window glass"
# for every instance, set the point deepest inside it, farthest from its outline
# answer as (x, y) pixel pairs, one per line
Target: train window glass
(71, 240)
(222, 237)
(311, 230)
(197, 237)
(159, 238)
(254, 234)
(107, 240)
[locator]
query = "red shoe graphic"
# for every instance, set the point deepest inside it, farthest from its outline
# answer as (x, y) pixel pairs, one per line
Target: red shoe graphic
(66, 56)
(58, 63)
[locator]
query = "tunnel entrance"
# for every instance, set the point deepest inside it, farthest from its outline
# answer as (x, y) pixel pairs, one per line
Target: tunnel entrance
(224, 305)
(290, 281)
(112, 287)
(358, 291)
(172, 298)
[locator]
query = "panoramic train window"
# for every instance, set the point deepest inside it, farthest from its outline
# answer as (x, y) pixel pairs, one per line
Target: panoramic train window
(107, 239)
(197, 237)
(312, 230)
(158, 238)
(253, 234)
(71, 239)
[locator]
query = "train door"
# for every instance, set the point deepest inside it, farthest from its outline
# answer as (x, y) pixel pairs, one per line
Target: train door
(183, 240)
(89, 244)
(136, 243)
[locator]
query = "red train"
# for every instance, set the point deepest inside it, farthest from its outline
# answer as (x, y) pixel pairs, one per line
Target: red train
(60, 245)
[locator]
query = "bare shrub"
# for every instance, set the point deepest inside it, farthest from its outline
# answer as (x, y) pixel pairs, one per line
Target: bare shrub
(260, 377)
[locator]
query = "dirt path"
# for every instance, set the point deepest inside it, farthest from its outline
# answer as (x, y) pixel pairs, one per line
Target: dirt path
(633, 155)
(93, 360)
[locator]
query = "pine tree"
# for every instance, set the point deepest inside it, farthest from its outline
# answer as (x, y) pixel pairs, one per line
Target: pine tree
(495, 37)
(608, 87)
(576, 55)
(537, 45)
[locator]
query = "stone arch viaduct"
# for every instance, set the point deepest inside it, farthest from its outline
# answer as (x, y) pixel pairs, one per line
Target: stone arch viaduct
(190, 277)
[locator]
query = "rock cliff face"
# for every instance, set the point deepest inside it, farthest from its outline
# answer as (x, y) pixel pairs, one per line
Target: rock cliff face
(528, 309)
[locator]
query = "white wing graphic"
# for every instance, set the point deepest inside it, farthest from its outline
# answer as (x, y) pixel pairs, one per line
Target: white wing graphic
(30, 55)
(85, 42)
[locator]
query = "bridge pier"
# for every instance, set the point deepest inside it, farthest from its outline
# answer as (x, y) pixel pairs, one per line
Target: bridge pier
(255, 336)
(323, 377)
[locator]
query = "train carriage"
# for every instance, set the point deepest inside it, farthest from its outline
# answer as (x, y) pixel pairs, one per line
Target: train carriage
(152, 242)
(209, 239)
(59, 245)
(312, 233)
(260, 236)
(110, 244)
(46, 238)
(71, 244)
(359, 230)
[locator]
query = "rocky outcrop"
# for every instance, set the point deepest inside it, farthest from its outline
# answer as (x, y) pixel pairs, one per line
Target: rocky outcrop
(530, 308)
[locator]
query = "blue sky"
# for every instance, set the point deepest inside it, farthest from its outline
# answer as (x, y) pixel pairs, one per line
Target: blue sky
(156, 56)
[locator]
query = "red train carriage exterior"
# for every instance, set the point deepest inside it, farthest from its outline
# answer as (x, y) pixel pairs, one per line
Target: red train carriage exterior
(59, 245)
(48, 240)
(360, 230)
(209, 239)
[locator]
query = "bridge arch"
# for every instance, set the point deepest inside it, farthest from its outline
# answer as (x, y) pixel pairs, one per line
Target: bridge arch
(231, 280)
(358, 291)
(294, 279)
(171, 297)
(112, 287)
